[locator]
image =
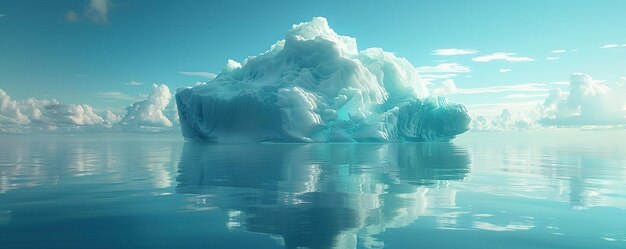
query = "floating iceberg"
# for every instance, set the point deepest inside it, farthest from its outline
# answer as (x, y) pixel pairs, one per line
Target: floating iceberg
(315, 86)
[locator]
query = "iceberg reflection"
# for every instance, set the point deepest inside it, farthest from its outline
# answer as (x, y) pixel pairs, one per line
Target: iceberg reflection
(322, 195)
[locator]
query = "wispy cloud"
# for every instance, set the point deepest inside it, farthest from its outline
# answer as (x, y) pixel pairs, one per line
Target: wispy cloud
(553, 58)
(565, 83)
(558, 51)
(453, 51)
(526, 96)
(117, 96)
(438, 76)
(133, 83)
(200, 74)
(526, 87)
(504, 70)
(613, 45)
(2, 15)
(96, 11)
(510, 57)
(445, 87)
(444, 68)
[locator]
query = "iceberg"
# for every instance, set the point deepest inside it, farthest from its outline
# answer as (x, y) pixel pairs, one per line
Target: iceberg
(315, 86)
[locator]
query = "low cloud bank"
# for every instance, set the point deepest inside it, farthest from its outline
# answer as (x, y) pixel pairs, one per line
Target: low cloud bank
(587, 103)
(151, 114)
(156, 113)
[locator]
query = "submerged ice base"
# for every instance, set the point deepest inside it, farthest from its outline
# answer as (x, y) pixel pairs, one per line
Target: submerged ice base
(315, 86)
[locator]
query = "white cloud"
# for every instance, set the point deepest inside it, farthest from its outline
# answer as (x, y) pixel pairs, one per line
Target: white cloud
(553, 97)
(207, 75)
(10, 110)
(149, 114)
(510, 119)
(558, 51)
(453, 51)
(98, 11)
(508, 116)
(525, 96)
(438, 76)
(134, 83)
(590, 102)
(613, 45)
(510, 57)
(156, 113)
(526, 87)
(444, 88)
(444, 68)
(560, 82)
(552, 58)
(33, 115)
(110, 119)
(72, 114)
(116, 96)
(495, 108)
(504, 70)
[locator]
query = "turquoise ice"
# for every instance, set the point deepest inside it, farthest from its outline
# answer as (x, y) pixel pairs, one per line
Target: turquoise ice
(316, 86)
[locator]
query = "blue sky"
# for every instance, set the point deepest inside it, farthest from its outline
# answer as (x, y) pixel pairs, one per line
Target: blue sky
(80, 53)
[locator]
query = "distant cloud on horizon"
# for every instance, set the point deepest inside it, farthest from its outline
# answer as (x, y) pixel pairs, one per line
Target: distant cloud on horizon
(151, 112)
(34, 115)
(156, 113)
(588, 102)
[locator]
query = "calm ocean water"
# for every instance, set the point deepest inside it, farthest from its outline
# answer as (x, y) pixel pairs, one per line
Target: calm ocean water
(545, 189)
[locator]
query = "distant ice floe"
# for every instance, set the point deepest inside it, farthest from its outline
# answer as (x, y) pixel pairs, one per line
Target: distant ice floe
(315, 86)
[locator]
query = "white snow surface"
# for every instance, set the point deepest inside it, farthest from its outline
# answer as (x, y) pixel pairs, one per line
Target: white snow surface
(315, 86)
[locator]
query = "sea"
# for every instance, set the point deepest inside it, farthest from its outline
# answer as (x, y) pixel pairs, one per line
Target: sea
(559, 188)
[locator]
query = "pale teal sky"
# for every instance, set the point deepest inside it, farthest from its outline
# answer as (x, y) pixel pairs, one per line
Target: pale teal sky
(79, 53)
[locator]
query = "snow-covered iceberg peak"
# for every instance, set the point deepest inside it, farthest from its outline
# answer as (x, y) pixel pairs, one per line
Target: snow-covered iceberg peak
(315, 86)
